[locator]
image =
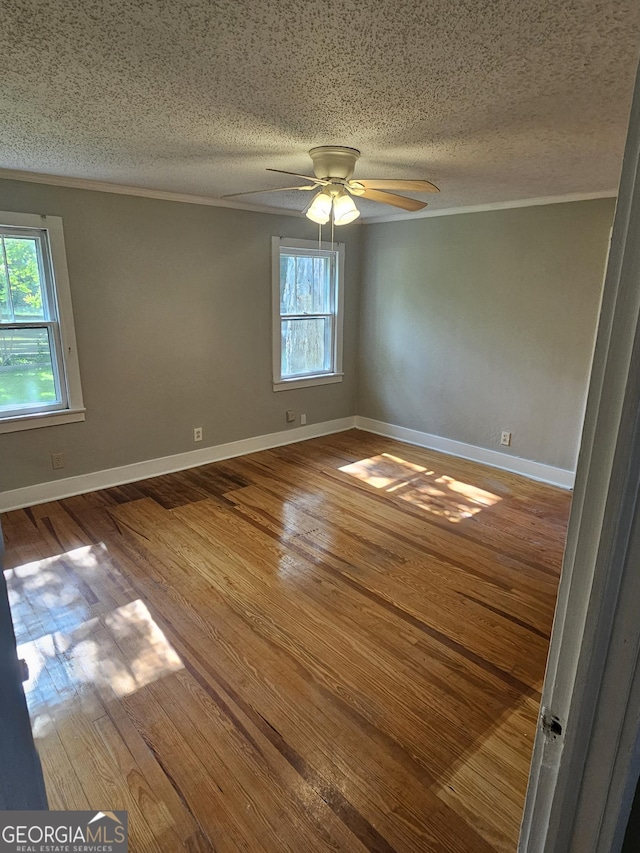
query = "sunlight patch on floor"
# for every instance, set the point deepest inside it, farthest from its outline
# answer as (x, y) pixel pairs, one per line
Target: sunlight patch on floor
(75, 643)
(437, 494)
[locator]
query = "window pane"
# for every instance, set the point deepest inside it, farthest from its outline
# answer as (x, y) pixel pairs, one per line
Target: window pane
(26, 369)
(305, 285)
(23, 298)
(306, 346)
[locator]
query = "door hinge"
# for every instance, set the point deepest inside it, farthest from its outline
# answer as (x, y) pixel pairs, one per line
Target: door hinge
(550, 724)
(24, 669)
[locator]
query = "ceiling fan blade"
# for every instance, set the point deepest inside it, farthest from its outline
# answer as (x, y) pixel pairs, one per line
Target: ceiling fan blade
(296, 175)
(402, 185)
(269, 190)
(395, 200)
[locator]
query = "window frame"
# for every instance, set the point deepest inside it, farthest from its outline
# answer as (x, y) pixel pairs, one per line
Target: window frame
(302, 247)
(63, 349)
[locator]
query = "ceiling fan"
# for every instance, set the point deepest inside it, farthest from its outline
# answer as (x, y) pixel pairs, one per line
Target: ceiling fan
(333, 166)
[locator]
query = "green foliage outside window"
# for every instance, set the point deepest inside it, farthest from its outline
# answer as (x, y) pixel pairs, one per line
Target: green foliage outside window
(20, 287)
(20, 302)
(26, 370)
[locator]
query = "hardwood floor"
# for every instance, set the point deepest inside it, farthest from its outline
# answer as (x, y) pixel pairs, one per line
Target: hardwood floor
(335, 645)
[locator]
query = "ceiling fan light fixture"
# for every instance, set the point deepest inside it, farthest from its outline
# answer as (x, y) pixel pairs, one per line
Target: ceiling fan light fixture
(344, 210)
(320, 209)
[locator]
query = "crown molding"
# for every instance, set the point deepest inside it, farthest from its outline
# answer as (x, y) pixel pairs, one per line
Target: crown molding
(142, 192)
(187, 198)
(496, 205)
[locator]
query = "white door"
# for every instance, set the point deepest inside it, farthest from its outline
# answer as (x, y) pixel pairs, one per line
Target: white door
(586, 759)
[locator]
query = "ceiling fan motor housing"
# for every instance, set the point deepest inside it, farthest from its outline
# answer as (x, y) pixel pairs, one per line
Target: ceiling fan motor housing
(334, 161)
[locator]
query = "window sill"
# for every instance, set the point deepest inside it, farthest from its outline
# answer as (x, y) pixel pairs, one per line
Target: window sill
(307, 381)
(41, 419)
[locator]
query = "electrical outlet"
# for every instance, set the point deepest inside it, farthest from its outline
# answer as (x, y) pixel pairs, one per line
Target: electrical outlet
(291, 416)
(505, 438)
(303, 420)
(57, 461)
(197, 434)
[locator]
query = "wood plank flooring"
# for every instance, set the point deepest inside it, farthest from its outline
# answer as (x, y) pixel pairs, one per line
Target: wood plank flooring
(337, 645)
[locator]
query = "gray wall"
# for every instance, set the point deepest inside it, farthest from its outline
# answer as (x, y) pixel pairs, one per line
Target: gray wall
(468, 325)
(476, 323)
(172, 306)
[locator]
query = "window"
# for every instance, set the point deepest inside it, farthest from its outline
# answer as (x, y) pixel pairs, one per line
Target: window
(39, 376)
(307, 313)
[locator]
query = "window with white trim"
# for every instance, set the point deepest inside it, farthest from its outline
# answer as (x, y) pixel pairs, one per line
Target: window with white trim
(307, 313)
(39, 374)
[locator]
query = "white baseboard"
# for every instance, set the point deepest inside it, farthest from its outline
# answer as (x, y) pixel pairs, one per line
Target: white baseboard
(57, 489)
(527, 467)
(65, 488)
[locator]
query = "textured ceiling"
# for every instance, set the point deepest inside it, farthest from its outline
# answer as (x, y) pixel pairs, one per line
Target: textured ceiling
(493, 100)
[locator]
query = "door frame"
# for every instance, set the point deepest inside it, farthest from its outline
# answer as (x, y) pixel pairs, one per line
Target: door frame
(583, 779)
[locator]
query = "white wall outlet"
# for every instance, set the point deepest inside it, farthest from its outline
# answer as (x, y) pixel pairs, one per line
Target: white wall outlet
(505, 438)
(57, 461)
(303, 419)
(291, 416)
(197, 434)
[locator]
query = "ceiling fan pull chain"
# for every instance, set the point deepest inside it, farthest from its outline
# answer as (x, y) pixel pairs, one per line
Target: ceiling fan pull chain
(319, 236)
